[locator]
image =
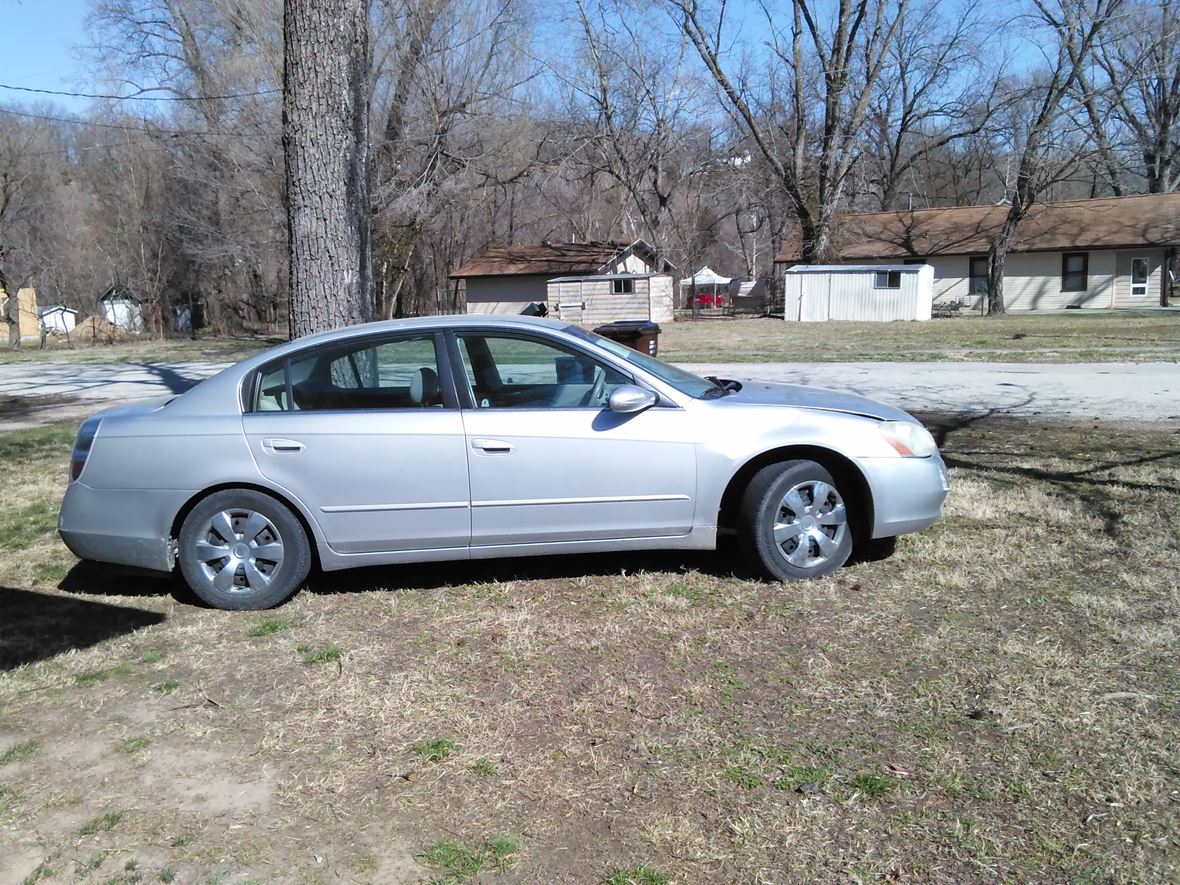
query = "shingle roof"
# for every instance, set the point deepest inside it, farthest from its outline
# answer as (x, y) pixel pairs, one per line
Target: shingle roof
(1110, 223)
(555, 258)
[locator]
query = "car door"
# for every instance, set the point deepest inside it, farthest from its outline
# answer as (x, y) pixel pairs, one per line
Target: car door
(550, 463)
(370, 438)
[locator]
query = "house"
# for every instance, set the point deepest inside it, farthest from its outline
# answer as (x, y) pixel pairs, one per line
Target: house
(121, 308)
(1111, 252)
(58, 318)
(510, 278)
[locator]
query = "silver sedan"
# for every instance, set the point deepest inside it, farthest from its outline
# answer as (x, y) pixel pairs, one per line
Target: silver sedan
(454, 438)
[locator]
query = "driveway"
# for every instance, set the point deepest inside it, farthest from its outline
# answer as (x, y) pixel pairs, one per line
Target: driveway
(37, 393)
(1102, 391)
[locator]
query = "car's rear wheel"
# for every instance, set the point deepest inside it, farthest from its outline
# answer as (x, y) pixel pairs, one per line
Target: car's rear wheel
(243, 550)
(795, 522)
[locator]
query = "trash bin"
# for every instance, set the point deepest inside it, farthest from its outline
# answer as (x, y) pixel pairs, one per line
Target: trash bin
(641, 335)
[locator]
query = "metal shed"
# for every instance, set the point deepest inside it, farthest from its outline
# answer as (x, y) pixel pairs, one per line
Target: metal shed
(867, 292)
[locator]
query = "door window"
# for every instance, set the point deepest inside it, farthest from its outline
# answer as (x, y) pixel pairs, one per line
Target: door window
(1140, 268)
(516, 372)
(397, 374)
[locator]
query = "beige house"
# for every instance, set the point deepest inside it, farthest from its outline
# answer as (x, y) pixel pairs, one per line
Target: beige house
(510, 278)
(1113, 252)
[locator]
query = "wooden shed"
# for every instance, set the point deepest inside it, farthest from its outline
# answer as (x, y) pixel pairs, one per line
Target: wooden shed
(591, 301)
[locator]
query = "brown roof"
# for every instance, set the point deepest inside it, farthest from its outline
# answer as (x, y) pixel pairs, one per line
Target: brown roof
(558, 259)
(1110, 223)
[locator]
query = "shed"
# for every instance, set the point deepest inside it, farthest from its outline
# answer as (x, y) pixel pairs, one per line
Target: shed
(605, 298)
(57, 317)
(509, 279)
(875, 293)
(120, 308)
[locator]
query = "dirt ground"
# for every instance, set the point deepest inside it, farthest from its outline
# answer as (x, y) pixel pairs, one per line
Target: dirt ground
(997, 701)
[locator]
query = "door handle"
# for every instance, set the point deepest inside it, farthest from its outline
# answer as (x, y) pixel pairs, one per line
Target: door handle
(282, 446)
(492, 446)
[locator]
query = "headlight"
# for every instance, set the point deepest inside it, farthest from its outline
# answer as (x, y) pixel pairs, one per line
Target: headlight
(910, 439)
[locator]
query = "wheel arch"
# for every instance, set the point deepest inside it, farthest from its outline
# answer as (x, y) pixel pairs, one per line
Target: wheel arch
(848, 476)
(300, 516)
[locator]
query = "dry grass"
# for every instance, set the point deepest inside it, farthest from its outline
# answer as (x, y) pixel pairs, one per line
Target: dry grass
(997, 701)
(1053, 338)
(1048, 338)
(139, 349)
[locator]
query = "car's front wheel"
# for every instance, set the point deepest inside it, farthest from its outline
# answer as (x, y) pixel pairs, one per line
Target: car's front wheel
(243, 550)
(795, 522)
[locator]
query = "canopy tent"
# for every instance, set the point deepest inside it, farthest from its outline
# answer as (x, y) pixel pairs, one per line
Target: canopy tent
(701, 289)
(705, 278)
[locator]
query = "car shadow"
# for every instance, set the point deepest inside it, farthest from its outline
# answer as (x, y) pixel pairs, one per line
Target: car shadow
(35, 626)
(101, 579)
(435, 575)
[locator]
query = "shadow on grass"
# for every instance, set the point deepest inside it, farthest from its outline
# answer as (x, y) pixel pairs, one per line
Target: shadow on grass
(35, 626)
(1084, 484)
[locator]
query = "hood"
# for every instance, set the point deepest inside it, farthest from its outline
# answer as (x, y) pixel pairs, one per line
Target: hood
(770, 393)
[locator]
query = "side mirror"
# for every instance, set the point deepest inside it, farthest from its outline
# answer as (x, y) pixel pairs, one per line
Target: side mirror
(627, 399)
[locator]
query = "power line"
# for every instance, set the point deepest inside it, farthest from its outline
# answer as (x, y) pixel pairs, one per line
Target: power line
(141, 97)
(152, 129)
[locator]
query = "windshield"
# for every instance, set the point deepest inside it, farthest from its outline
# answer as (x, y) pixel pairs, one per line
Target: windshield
(685, 382)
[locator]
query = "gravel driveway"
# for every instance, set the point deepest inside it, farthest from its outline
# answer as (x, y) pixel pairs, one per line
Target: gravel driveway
(37, 393)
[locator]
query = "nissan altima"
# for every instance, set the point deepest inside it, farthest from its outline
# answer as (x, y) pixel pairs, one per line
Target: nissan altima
(468, 437)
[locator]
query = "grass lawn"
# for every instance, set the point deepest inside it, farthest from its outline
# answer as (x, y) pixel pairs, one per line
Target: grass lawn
(140, 350)
(998, 701)
(1039, 338)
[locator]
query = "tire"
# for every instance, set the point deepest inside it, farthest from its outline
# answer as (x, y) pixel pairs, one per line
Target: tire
(785, 531)
(242, 550)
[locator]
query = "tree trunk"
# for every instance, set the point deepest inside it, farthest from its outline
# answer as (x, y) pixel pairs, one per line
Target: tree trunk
(997, 255)
(325, 142)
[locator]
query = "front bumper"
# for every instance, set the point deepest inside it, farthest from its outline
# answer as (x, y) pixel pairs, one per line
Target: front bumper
(122, 526)
(907, 493)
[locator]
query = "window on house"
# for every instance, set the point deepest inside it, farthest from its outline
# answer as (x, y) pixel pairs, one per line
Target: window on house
(624, 287)
(887, 279)
(1074, 269)
(978, 276)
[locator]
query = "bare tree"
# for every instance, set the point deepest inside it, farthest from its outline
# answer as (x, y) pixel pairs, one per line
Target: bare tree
(325, 142)
(630, 103)
(1042, 153)
(1131, 94)
(811, 154)
(938, 88)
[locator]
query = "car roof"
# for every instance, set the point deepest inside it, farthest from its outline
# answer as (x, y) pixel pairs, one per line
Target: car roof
(409, 324)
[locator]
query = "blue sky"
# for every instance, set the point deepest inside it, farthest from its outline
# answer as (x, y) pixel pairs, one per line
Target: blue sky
(39, 39)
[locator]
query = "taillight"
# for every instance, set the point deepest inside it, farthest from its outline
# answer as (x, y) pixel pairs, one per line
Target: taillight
(82, 444)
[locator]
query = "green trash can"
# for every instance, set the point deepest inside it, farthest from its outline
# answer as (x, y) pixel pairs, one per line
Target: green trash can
(641, 335)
